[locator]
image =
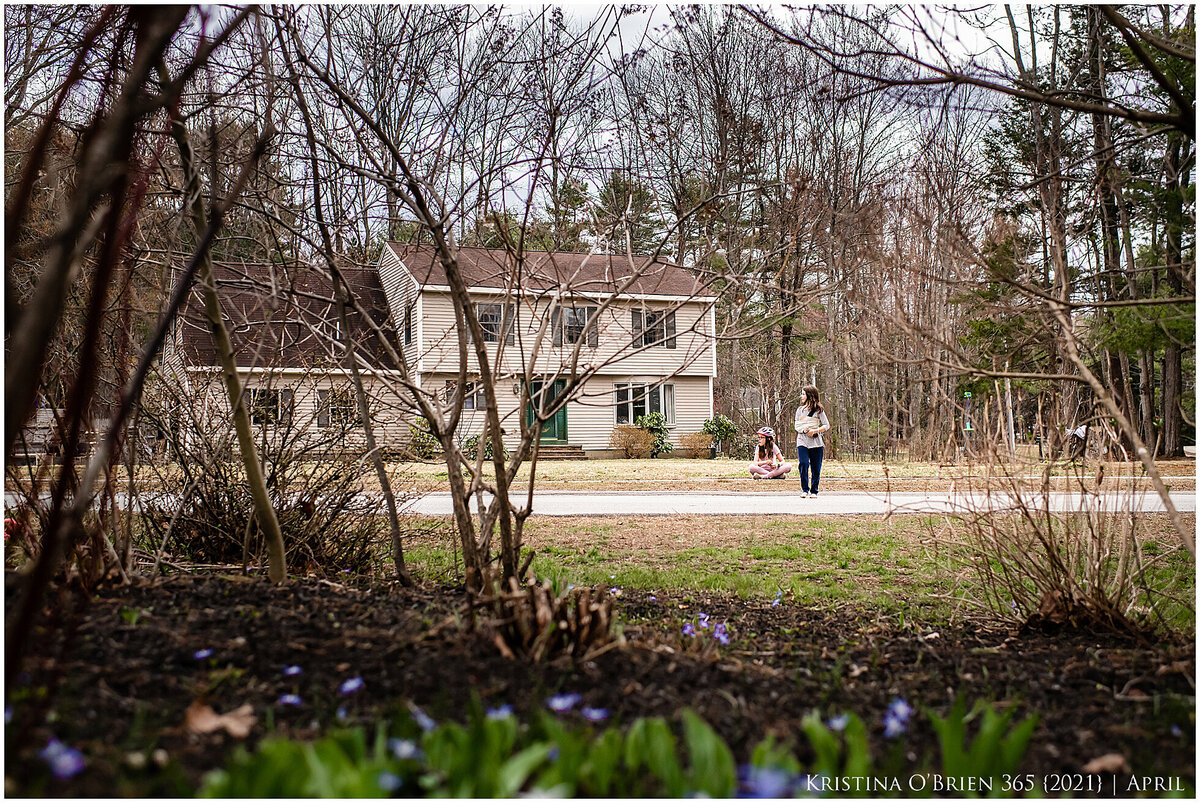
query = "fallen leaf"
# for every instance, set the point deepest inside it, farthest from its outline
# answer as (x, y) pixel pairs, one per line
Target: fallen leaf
(1182, 667)
(1109, 762)
(856, 670)
(201, 718)
(1052, 607)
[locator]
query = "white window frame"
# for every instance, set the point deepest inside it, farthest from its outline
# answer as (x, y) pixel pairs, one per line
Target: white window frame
(476, 398)
(664, 392)
(339, 406)
(271, 407)
(575, 321)
(505, 328)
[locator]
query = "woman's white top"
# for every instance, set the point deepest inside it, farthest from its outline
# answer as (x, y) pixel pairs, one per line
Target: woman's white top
(805, 421)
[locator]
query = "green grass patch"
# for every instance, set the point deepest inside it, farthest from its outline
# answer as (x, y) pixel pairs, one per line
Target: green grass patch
(875, 564)
(870, 562)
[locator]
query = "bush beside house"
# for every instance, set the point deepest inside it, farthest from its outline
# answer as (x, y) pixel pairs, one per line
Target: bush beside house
(696, 444)
(633, 442)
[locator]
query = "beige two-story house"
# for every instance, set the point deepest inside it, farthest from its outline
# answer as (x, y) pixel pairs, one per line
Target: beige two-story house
(641, 330)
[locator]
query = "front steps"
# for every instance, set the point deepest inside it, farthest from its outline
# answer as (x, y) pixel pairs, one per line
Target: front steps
(556, 452)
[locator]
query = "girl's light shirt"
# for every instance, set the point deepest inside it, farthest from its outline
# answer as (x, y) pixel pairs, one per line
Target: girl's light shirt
(776, 456)
(805, 421)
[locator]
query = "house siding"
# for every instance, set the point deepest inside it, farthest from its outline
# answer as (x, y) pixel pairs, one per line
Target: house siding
(390, 414)
(692, 355)
(591, 417)
(400, 289)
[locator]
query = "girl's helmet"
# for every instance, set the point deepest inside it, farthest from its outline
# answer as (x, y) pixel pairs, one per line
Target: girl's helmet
(770, 433)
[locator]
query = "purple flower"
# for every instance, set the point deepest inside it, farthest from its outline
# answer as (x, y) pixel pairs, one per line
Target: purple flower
(900, 709)
(689, 629)
(65, 762)
(404, 749)
(553, 754)
(341, 713)
(292, 671)
(594, 714)
(894, 726)
(653, 598)
(503, 712)
(350, 686)
(389, 782)
(838, 723)
(703, 621)
(290, 699)
(720, 634)
(563, 702)
(423, 720)
(1176, 731)
(200, 655)
(764, 782)
(778, 599)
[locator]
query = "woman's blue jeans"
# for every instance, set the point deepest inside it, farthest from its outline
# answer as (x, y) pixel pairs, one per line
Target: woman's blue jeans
(805, 457)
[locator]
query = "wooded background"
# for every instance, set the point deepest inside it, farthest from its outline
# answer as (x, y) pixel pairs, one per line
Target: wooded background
(900, 206)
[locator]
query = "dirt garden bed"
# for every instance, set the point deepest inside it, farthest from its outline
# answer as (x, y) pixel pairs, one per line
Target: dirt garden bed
(119, 686)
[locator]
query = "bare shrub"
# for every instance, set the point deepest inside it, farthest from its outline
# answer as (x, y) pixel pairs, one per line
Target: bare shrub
(421, 444)
(540, 622)
(696, 444)
(1087, 560)
(332, 518)
(635, 442)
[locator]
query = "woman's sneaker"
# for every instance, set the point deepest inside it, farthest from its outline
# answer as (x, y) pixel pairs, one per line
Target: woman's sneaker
(804, 494)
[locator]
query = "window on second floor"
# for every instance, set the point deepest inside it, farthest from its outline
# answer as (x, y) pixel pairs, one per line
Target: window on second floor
(496, 321)
(573, 324)
(410, 312)
(653, 328)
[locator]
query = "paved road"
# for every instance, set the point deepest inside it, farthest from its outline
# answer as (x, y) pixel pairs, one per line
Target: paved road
(730, 503)
(582, 503)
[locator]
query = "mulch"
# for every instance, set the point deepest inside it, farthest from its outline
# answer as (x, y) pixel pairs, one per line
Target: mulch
(117, 680)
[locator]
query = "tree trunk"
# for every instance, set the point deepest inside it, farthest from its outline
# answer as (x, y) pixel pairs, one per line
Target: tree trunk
(1172, 366)
(264, 512)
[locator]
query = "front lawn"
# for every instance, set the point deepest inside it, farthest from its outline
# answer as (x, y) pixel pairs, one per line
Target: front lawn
(684, 474)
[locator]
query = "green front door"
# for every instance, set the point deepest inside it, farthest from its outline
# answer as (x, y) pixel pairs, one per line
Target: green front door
(555, 428)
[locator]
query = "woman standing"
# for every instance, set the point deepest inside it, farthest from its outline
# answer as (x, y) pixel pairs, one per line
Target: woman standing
(768, 460)
(811, 421)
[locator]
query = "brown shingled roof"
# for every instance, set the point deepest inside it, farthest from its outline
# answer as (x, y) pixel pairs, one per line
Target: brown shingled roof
(271, 311)
(543, 270)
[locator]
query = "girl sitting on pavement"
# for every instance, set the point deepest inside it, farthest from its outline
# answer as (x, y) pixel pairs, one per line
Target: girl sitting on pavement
(768, 460)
